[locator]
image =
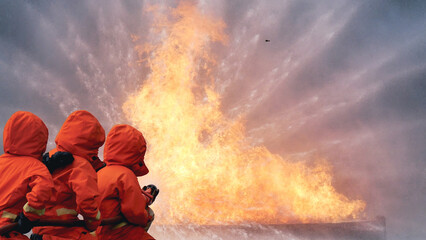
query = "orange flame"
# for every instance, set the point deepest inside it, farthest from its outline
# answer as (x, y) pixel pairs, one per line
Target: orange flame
(208, 172)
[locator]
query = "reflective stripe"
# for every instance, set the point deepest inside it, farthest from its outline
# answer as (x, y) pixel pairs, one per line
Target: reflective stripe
(98, 216)
(27, 208)
(64, 211)
(93, 233)
(122, 224)
(8, 215)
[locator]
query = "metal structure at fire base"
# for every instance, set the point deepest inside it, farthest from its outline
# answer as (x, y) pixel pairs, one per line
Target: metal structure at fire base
(374, 229)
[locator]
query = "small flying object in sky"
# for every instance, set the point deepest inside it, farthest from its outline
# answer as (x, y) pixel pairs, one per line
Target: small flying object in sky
(267, 40)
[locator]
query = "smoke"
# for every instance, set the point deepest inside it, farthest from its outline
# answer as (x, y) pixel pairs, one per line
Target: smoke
(344, 80)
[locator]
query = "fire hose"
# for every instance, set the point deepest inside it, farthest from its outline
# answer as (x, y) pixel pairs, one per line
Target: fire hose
(62, 223)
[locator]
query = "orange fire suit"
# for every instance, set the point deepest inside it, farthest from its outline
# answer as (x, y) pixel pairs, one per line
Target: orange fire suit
(119, 187)
(76, 191)
(25, 183)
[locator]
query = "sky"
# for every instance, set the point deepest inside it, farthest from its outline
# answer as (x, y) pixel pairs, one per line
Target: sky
(341, 80)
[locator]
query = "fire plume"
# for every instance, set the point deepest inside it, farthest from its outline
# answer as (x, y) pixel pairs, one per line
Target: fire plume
(208, 171)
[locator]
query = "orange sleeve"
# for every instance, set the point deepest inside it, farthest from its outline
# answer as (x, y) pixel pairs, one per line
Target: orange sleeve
(132, 202)
(83, 182)
(41, 185)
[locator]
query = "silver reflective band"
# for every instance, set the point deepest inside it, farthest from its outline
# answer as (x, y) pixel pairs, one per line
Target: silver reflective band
(98, 216)
(27, 208)
(64, 211)
(8, 215)
(122, 224)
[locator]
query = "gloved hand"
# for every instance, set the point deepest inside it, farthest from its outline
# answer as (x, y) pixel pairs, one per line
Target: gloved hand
(24, 224)
(151, 192)
(57, 160)
(93, 223)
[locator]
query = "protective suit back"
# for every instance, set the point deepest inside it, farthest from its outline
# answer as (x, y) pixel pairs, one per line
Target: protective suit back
(119, 187)
(76, 190)
(26, 184)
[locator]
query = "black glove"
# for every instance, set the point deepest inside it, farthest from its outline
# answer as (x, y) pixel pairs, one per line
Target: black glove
(24, 224)
(57, 160)
(154, 191)
(97, 164)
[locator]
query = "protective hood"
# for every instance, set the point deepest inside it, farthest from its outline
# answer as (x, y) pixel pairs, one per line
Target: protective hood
(81, 134)
(25, 134)
(126, 146)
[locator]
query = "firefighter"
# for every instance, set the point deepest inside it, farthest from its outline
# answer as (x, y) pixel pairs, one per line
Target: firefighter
(26, 184)
(119, 187)
(76, 191)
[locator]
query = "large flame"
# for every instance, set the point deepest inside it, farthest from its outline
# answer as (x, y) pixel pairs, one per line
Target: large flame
(209, 172)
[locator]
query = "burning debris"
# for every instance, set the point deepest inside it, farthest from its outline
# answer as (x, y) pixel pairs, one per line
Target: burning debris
(209, 172)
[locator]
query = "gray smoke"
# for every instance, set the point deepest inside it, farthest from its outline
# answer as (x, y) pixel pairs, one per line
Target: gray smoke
(341, 80)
